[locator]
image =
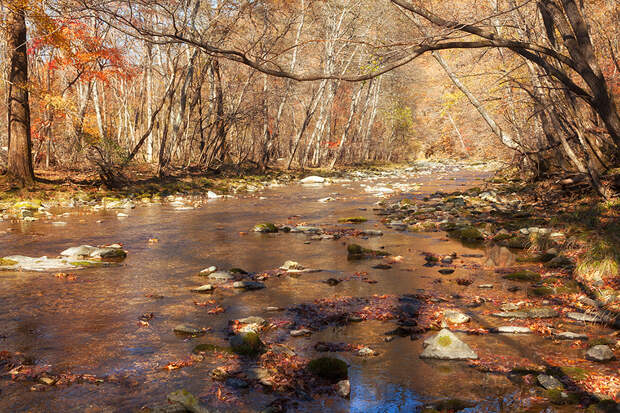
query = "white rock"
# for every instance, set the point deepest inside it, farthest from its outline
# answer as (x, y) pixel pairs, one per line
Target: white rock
(313, 180)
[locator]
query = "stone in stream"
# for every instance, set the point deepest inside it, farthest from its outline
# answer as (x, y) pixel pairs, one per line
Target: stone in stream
(208, 271)
(512, 314)
(300, 333)
(252, 324)
(586, 317)
(543, 312)
(266, 227)
(549, 382)
(207, 288)
(366, 352)
(188, 330)
(221, 276)
(188, 401)
(600, 353)
(446, 271)
(329, 368)
(261, 375)
(455, 317)
(246, 344)
(344, 388)
(446, 346)
(313, 180)
(291, 265)
(568, 335)
(372, 233)
(248, 285)
(382, 266)
(485, 286)
(512, 330)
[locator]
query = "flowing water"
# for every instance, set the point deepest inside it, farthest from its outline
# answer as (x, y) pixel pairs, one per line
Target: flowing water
(89, 325)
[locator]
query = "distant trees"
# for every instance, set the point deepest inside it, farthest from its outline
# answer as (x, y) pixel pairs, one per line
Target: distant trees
(196, 85)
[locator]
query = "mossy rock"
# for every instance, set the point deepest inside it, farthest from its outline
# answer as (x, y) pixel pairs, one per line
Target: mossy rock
(560, 262)
(560, 397)
(574, 372)
(266, 227)
(518, 243)
(356, 252)
(569, 287)
(7, 262)
(544, 257)
(353, 220)
(502, 237)
(247, 344)
(541, 291)
(210, 348)
(329, 368)
(468, 234)
(238, 271)
(524, 275)
(448, 226)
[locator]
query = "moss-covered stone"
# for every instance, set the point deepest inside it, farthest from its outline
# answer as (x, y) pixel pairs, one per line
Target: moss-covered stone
(518, 242)
(524, 275)
(574, 372)
(541, 291)
(556, 396)
(560, 262)
(357, 252)
(266, 227)
(247, 344)
(353, 220)
(237, 271)
(32, 205)
(444, 341)
(329, 368)
(467, 234)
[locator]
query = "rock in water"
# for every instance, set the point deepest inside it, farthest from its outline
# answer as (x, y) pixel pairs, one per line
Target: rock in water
(447, 346)
(600, 353)
(313, 180)
(512, 330)
(247, 344)
(344, 388)
(248, 285)
(455, 317)
(549, 382)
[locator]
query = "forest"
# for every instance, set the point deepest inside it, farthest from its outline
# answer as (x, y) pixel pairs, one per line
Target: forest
(449, 168)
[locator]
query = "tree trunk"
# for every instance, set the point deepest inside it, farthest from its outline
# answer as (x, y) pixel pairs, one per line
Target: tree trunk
(20, 143)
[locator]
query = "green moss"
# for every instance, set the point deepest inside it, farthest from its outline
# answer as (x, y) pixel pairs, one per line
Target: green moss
(467, 234)
(266, 227)
(31, 204)
(356, 252)
(353, 220)
(541, 291)
(575, 373)
(444, 341)
(556, 396)
(502, 237)
(524, 275)
(7, 262)
(247, 344)
(329, 368)
(518, 243)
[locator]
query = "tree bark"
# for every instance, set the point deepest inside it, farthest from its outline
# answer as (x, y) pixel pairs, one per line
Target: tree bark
(20, 142)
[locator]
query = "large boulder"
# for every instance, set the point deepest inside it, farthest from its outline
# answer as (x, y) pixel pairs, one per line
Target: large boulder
(446, 346)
